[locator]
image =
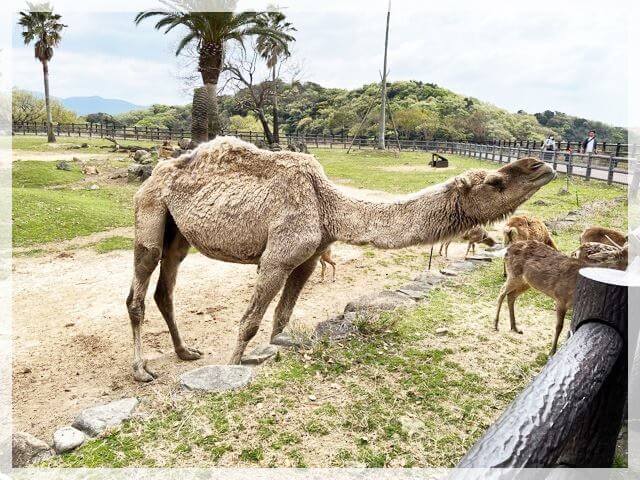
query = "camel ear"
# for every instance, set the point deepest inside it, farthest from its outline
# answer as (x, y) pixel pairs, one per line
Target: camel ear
(496, 180)
(463, 182)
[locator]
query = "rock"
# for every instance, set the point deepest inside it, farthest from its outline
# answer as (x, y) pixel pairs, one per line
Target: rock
(140, 155)
(217, 378)
(285, 340)
(120, 173)
(84, 145)
(67, 438)
(63, 165)
(481, 258)
(95, 420)
(429, 277)
(184, 143)
(449, 273)
(27, 449)
(412, 426)
(541, 203)
(494, 248)
(415, 295)
(137, 171)
(385, 300)
(94, 187)
(90, 170)
(259, 354)
(336, 328)
(461, 266)
(564, 191)
(441, 331)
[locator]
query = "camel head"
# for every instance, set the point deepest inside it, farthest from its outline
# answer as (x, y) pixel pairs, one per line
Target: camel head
(487, 196)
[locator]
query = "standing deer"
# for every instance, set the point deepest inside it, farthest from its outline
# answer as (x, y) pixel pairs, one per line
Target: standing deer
(475, 235)
(327, 258)
(532, 264)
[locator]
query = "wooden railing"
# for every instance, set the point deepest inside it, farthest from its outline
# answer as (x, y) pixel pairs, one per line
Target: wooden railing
(571, 413)
(610, 164)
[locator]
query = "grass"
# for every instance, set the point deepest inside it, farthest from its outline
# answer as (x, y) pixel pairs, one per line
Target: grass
(34, 174)
(113, 243)
(65, 144)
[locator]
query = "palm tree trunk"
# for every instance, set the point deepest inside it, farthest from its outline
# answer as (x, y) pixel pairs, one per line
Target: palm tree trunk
(45, 70)
(200, 115)
(276, 123)
(210, 66)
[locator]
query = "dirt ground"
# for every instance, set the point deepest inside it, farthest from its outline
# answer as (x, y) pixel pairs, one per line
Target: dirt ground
(72, 339)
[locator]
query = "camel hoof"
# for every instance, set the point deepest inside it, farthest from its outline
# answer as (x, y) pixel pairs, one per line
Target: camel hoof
(189, 354)
(141, 373)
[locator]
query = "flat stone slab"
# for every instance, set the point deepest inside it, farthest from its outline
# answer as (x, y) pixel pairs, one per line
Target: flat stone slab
(462, 266)
(415, 295)
(481, 259)
(385, 300)
(259, 354)
(336, 328)
(216, 378)
(95, 420)
(449, 273)
(27, 449)
(67, 438)
(429, 277)
(285, 340)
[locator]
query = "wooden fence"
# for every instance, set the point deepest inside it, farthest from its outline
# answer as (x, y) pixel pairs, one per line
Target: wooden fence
(571, 413)
(610, 164)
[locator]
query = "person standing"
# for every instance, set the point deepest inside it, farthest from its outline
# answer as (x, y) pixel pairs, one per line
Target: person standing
(549, 146)
(589, 143)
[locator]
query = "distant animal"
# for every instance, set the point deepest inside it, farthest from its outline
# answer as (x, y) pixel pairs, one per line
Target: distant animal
(523, 227)
(533, 264)
(324, 259)
(475, 235)
(608, 236)
(237, 203)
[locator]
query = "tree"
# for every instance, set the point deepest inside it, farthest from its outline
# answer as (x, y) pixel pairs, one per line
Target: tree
(43, 26)
(272, 50)
(28, 108)
(209, 31)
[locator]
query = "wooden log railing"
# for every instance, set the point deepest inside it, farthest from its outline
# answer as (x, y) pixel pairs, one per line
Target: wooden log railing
(571, 413)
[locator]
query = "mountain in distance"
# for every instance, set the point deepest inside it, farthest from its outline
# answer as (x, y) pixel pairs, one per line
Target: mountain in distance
(95, 104)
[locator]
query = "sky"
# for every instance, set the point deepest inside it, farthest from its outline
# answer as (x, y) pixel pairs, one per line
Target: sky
(568, 56)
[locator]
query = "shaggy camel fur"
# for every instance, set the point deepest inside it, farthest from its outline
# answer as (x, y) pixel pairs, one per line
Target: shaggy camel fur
(475, 235)
(608, 236)
(327, 258)
(602, 251)
(237, 203)
(533, 264)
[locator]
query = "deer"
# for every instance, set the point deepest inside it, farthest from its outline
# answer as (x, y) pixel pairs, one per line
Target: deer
(523, 227)
(608, 236)
(475, 235)
(533, 264)
(324, 259)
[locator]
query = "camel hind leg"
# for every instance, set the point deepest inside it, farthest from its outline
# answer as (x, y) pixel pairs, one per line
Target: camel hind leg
(175, 250)
(150, 225)
(292, 288)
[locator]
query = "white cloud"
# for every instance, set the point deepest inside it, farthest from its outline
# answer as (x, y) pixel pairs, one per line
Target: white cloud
(78, 74)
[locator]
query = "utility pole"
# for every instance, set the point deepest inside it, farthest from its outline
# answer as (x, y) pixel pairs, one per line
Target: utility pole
(383, 113)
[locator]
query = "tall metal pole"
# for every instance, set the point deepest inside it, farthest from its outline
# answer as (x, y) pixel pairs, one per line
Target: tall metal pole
(383, 113)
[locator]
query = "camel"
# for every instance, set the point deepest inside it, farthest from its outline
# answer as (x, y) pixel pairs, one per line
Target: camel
(237, 203)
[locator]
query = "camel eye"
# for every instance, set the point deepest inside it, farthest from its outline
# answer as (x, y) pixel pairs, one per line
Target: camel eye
(536, 166)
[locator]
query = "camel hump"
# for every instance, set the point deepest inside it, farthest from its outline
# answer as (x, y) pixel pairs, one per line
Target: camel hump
(234, 156)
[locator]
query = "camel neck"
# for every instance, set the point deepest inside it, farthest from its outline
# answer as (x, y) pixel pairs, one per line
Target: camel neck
(423, 218)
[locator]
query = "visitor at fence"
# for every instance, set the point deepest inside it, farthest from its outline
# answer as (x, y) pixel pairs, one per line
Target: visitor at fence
(549, 147)
(589, 143)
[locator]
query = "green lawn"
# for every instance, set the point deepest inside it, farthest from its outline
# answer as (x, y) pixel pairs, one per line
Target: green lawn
(49, 205)
(347, 404)
(65, 144)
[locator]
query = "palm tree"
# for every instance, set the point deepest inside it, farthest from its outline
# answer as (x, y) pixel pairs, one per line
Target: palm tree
(272, 51)
(43, 26)
(209, 31)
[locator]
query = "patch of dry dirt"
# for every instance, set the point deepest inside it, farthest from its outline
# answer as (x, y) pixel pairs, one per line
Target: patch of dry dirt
(57, 156)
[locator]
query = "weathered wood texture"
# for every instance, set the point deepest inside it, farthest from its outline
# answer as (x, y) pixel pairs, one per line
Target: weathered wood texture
(572, 411)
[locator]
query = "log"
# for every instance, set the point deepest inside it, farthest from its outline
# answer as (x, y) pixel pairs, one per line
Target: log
(571, 413)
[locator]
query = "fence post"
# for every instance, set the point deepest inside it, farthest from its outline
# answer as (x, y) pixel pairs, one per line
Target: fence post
(569, 167)
(555, 159)
(611, 167)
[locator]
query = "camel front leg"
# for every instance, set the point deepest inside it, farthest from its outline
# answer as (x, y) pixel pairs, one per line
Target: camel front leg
(270, 281)
(292, 289)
